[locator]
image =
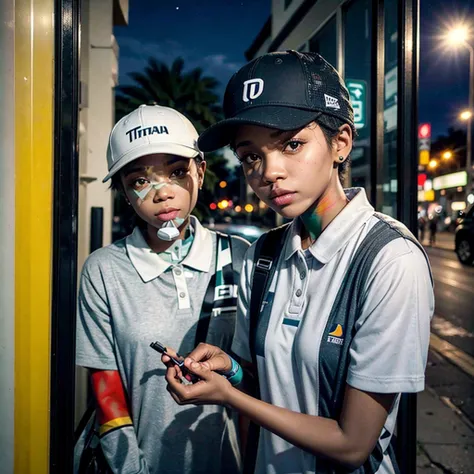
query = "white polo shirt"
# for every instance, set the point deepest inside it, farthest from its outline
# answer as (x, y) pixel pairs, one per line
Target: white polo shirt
(389, 350)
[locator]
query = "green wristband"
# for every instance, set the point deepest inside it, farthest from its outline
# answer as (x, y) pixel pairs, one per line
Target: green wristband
(237, 377)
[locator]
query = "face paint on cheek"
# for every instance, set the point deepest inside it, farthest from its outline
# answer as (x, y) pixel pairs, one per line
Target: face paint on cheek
(153, 185)
(143, 193)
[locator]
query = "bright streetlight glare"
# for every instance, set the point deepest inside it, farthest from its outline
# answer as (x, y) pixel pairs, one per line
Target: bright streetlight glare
(433, 164)
(447, 155)
(461, 35)
(458, 35)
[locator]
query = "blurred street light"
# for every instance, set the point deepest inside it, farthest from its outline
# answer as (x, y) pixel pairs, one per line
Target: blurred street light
(249, 208)
(460, 36)
(465, 115)
(223, 184)
(447, 155)
(433, 164)
(224, 204)
(238, 208)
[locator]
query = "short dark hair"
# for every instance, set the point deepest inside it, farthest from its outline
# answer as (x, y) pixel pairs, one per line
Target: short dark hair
(330, 127)
(116, 182)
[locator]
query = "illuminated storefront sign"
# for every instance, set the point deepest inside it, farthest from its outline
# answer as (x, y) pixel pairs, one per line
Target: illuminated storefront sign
(452, 180)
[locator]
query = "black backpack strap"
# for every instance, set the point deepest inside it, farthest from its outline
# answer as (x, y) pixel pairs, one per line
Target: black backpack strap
(210, 302)
(266, 256)
(207, 305)
(267, 251)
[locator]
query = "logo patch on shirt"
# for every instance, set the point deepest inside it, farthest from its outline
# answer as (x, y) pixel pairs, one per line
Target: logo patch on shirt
(336, 335)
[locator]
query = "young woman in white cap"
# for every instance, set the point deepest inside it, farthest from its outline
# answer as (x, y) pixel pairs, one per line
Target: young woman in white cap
(334, 309)
(170, 281)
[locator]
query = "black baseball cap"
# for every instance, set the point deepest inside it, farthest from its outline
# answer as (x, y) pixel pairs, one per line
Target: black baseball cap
(283, 90)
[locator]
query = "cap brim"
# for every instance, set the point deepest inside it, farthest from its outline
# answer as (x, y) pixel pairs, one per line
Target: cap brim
(149, 149)
(279, 117)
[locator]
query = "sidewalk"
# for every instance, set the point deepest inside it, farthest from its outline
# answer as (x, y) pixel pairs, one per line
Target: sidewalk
(445, 434)
(445, 440)
(444, 240)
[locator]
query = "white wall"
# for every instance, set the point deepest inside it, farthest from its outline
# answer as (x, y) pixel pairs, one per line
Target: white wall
(7, 235)
(102, 63)
(98, 68)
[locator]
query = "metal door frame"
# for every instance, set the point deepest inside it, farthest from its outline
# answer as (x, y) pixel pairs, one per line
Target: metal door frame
(65, 226)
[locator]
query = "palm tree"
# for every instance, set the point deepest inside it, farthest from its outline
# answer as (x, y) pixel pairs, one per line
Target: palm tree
(192, 93)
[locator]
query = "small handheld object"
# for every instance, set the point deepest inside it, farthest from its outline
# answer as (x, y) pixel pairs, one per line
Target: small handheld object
(179, 362)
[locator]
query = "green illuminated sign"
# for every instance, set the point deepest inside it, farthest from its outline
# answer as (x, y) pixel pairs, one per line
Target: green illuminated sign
(358, 93)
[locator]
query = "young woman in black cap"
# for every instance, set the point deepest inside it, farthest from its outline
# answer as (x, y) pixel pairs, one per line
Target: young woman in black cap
(342, 328)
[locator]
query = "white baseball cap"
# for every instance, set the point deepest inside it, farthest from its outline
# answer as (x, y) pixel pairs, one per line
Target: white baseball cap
(150, 129)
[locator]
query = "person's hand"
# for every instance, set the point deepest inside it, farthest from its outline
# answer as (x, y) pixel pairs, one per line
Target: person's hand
(211, 357)
(210, 389)
(169, 363)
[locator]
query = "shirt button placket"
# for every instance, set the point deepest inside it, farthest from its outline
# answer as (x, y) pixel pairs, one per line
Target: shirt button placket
(298, 282)
(181, 288)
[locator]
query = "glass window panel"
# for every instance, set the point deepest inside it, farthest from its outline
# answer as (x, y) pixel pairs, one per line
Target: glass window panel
(324, 42)
(357, 71)
(389, 168)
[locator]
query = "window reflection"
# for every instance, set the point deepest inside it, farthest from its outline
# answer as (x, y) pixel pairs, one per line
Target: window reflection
(324, 42)
(357, 70)
(389, 168)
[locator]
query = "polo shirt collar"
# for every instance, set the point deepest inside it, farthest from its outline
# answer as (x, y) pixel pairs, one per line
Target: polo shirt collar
(354, 215)
(150, 265)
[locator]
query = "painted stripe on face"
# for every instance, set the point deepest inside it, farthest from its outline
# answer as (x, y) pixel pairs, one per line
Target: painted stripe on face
(153, 185)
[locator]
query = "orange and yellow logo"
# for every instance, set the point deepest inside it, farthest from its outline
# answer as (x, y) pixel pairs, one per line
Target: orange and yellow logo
(336, 335)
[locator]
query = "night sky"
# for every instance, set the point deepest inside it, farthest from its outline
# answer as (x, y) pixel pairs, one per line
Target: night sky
(214, 35)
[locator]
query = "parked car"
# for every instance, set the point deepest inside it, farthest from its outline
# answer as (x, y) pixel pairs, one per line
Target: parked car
(464, 238)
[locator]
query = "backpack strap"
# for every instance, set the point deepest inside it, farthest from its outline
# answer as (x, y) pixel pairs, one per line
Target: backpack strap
(220, 290)
(266, 255)
(346, 311)
(267, 252)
